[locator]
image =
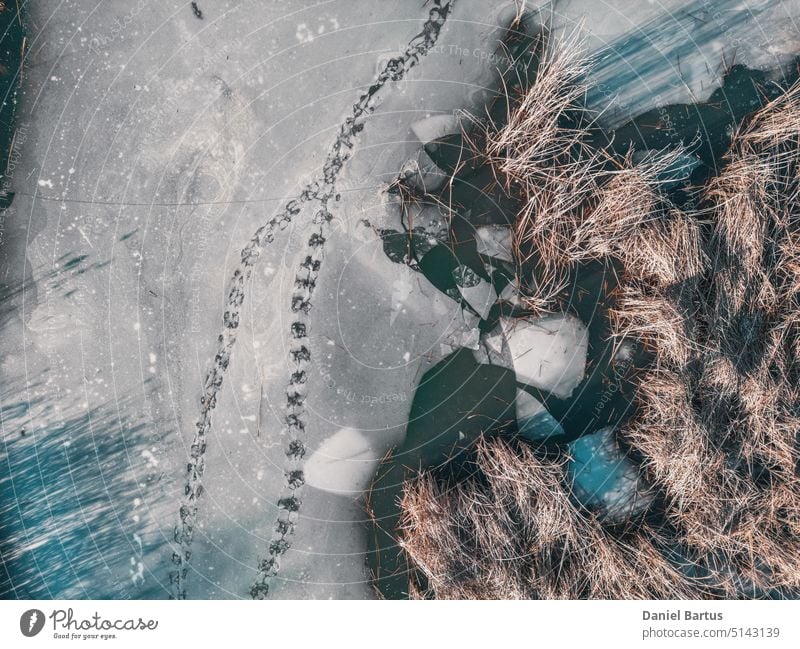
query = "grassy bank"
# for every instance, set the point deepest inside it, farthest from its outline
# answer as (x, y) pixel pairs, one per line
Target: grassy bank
(701, 274)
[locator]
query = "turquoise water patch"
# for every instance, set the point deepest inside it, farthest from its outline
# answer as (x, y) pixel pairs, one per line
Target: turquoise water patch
(603, 478)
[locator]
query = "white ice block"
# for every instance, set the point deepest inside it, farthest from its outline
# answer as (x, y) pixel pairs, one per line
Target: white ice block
(343, 464)
(548, 353)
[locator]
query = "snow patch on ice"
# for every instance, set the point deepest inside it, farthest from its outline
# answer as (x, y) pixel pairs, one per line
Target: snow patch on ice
(435, 127)
(344, 463)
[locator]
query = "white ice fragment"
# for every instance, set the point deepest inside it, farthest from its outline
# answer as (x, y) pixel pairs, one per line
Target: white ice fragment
(494, 349)
(533, 419)
(548, 353)
(528, 406)
(478, 293)
(436, 126)
(494, 241)
(495, 341)
(423, 173)
(471, 339)
(511, 293)
(344, 463)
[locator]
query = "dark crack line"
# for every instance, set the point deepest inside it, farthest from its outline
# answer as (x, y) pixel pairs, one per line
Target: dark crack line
(321, 190)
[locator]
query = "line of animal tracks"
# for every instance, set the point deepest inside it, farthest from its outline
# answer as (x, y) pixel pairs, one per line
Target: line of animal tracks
(318, 196)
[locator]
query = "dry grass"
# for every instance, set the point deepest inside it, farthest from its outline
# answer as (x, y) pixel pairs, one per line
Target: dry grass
(549, 165)
(715, 297)
(513, 532)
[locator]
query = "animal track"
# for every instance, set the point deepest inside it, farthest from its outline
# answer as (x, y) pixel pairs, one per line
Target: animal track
(322, 191)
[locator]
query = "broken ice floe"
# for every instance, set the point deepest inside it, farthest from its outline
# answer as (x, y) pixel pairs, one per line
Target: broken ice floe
(422, 173)
(494, 241)
(478, 293)
(533, 420)
(427, 219)
(511, 293)
(463, 332)
(493, 349)
(548, 353)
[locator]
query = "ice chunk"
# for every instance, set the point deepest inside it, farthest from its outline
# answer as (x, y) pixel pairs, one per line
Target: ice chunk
(494, 241)
(464, 332)
(422, 173)
(511, 293)
(344, 463)
(478, 293)
(496, 343)
(494, 350)
(548, 353)
(434, 127)
(533, 419)
(604, 479)
(471, 339)
(427, 219)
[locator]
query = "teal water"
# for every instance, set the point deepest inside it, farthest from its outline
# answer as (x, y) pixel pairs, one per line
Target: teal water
(68, 493)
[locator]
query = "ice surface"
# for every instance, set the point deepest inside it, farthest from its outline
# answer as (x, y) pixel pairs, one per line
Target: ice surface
(136, 191)
(478, 293)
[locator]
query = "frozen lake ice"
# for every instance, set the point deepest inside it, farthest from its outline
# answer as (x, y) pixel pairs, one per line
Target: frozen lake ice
(157, 146)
